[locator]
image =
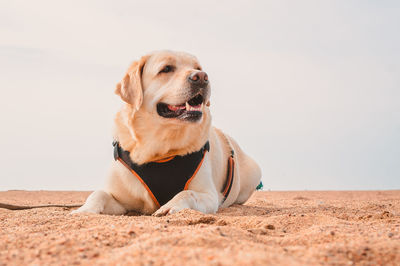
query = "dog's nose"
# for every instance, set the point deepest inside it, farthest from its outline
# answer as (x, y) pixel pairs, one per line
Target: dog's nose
(198, 78)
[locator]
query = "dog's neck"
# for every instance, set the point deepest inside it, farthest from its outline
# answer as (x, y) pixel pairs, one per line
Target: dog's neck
(149, 140)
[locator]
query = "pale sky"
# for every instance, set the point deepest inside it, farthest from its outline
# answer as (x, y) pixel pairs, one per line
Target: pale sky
(310, 89)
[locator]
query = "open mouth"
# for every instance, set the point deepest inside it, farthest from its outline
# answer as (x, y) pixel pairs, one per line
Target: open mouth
(189, 111)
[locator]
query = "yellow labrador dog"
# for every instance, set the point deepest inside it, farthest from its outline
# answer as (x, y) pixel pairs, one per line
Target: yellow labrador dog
(168, 157)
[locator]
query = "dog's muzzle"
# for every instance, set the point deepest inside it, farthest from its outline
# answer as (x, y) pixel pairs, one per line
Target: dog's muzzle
(190, 110)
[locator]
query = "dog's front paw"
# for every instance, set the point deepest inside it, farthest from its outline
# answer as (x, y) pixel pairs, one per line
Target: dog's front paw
(166, 210)
(75, 212)
(84, 209)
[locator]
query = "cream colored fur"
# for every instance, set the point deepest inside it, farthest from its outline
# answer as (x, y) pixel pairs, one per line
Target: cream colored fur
(150, 137)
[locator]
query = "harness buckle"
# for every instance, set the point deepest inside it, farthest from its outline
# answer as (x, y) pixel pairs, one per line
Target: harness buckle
(116, 149)
(206, 146)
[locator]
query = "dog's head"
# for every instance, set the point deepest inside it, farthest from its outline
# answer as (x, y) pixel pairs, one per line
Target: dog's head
(170, 85)
(167, 95)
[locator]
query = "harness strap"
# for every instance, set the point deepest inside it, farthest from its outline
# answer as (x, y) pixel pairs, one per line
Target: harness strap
(230, 171)
(229, 177)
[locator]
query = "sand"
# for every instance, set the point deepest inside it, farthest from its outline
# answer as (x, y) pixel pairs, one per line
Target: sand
(272, 228)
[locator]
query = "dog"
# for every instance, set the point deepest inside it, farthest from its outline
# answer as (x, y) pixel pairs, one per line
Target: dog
(166, 117)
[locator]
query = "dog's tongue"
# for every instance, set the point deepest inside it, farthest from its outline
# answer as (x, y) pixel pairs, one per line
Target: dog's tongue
(176, 107)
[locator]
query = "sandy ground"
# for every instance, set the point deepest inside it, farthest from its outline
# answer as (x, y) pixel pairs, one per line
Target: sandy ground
(276, 228)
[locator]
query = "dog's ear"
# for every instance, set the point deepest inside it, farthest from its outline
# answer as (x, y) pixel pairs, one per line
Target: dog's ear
(130, 88)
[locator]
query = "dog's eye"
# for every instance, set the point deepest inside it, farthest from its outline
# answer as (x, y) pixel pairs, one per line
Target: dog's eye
(167, 69)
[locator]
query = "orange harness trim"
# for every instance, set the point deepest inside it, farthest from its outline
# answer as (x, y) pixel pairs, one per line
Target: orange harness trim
(167, 159)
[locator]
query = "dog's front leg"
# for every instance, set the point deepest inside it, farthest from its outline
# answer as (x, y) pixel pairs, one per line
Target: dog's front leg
(189, 199)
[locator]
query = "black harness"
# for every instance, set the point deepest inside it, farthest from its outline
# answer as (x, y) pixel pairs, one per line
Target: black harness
(165, 178)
